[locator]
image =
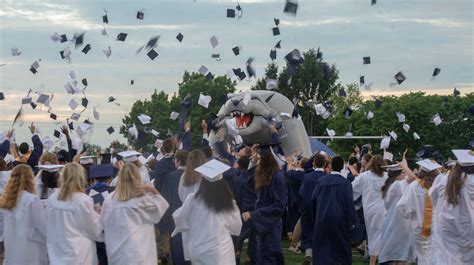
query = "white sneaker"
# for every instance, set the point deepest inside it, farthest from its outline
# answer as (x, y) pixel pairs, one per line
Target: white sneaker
(294, 250)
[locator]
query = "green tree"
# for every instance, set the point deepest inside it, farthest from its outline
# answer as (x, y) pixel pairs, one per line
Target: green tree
(456, 129)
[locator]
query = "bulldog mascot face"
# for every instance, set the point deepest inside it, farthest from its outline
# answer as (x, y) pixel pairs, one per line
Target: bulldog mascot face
(250, 115)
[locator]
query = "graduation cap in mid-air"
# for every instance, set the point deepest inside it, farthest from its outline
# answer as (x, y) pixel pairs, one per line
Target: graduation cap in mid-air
(250, 67)
(238, 72)
(86, 49)
(63, 38)
(456, 92)
(399, 77)
(273, 54)
(84, 102)
(180, 37)
(84, 82)
(53, 116)
(105, 18)
(152, 54)
(293, 59)
(230, 13)
(140, 15)
(236, 50)
(214, 41)
(366, 60)
(361, 80)
(277, 21)
(111, 99)
(436, 71)
(342, 92)
(110, 130)
(2, 97)
(79, 39)
(378, 103)
(57, 134)
(291, 7)
(276, 31)
(347, 112)
(122, 36)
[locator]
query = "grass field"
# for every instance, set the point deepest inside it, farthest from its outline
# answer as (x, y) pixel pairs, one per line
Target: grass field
(296, 259)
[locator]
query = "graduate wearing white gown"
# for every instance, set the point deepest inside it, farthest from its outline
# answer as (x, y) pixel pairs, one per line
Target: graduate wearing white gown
(396, 245)
(368, 185)
(73, 225)
(129, 222)
(453, 225)
(208, 231)
(24, 229)
(413, 204)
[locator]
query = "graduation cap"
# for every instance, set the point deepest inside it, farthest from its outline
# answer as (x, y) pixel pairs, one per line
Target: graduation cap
(273, 54)
(57, 134)
(223, 98)
(319, 54)
(278, 45)
(203, 70)
(79, 39)
(230, 13)
(102, 170)
(204, 100)
(471, 110)
(151, 44)
(86, 49)
(250, 68)
(50, 167)
(214, 41)
(399, 77)
(107, 52)
(428, 165)
(378, 103)
(216, 56)
(122, 36)
(342, 92)
(347, 112)
(53, 116)
(236, 50)
(15, 51)
(63, 38)
(293, 59)
(129, 156)
(84, 102)
(110, 130)
(212, 170)
(179, 37)
(105, 19)
(238, 72)
(70, 125)
(111, 99)
(84, 82)
(276, 31)
(373, 2)
(33, 105)
(18, 116)
(34, 67)
(209, 76)
(152, 54)
(2, 97)
(436, 71)
(456, 92)
(361, 80)
(291, 7)
(277, 21)
(85, 160)
(366, 60)
(140, 15)
(42, 99)
(465, 157)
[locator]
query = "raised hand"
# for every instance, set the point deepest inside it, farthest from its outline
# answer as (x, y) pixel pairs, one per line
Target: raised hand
(32, 128)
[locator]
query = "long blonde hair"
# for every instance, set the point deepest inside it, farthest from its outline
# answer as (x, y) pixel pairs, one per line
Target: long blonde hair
(71, 180)
(48, 157)
(128, 183)
(21, 179)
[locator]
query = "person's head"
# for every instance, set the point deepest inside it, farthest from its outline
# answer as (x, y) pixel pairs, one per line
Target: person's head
(427, 176)
(21, 179)
(24, 148)
(137, 163)
(181, 158)
(302, 162)
(456, 180)
(243, 162)
(267, 166)
(337, 163)
(63, 156)
(375, 165)
(246, 151)
(365, 161)
(353, 161)
(152, 164)
(206, 150)
(128, 183)
(393, 175)
(216, 195)
(48, 158)
(72, 179)
(167, 146)
(319, 161)
(196, 158)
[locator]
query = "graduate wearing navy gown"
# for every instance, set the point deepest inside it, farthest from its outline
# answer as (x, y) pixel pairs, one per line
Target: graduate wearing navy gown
(294, 176)
(271, 202)
(306, 207)
(335, 217)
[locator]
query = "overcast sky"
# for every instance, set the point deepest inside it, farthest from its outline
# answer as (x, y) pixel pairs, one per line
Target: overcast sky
(412, 36)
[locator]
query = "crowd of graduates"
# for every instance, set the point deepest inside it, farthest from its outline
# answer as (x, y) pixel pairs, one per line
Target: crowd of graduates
(202, 205)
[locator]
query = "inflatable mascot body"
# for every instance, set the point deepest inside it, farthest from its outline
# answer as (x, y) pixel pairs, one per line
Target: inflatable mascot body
(254, 111)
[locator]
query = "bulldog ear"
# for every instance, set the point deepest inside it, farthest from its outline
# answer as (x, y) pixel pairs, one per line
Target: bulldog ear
(269, 98)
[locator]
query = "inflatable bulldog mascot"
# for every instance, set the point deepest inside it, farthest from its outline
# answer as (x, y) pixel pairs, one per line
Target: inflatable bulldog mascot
(250, 115)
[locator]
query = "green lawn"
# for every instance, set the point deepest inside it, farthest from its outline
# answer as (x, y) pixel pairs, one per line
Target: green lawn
(292, 258)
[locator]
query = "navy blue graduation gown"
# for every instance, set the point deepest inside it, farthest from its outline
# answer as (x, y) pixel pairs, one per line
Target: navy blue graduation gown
(100, 188)
(306, 209)
(162, 169)
(270, 207)
(294, 179)
(35, 153)
(335, 219)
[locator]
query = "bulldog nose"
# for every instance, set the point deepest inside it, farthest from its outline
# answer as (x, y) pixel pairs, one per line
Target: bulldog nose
(235, 102)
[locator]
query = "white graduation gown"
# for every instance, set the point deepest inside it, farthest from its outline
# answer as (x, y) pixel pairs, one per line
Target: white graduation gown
(73, 227)
(395, 229)
(207, 234)
(4, 177)
(129, 228)
(25, 232)
(368, 185)
(453, 226)
(184, 191)
(412, 206)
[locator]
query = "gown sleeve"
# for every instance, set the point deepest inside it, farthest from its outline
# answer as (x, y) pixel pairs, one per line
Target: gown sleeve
(182, 216)
(154, 207)
(233, 222)
(37, 221)
(352, 217)
(357, 186)
(434, 190)
(90, 220)
(265, 218)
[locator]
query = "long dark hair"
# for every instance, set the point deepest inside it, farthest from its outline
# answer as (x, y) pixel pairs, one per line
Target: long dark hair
(266, 168)
(455, 183)
(49, 180)
(216, 195)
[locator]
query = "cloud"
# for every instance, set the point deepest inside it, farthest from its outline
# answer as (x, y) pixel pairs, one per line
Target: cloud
(317, 22)
(438, 22)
